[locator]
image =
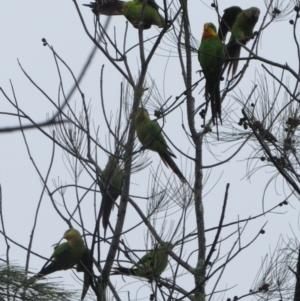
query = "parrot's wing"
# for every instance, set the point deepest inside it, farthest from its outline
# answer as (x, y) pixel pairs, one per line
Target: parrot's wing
(145, 259)
(228, 20)
(60, 249)
(110, 185)
(156, 134)
(51, 264)
(163, 149)
(107, 205)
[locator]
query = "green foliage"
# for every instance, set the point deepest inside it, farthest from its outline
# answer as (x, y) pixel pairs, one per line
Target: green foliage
(15, 286)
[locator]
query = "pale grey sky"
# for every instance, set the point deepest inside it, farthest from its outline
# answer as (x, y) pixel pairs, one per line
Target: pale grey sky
(22, 26)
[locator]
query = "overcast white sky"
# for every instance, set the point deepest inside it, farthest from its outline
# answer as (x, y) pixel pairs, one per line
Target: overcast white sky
(22, 26)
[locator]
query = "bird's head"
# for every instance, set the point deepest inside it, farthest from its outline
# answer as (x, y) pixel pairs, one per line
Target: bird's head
(112, 160)
(168, 246)
(71, 234)
(141, 113)
(113, 165)
(209, 31)
(253, 13)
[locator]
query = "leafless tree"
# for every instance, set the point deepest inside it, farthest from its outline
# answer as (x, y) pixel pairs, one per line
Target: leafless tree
(262, 124)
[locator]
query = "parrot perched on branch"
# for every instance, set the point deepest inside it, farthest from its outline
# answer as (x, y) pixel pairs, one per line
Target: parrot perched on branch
(151, 265)
(211, 56)
(240, 23)
(132, 11)
(150, 135)
(110, 185)
(65, 255)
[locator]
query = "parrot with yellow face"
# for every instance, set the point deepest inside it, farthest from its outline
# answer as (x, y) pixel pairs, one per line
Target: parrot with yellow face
(65, 255)
(211, 56)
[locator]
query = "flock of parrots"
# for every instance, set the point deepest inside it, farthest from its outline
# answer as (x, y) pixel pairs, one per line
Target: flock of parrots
(212, 57)
(212, 53)
(73, 253)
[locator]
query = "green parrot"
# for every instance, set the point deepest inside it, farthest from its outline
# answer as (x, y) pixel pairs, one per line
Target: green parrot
(110, 185)
(241, 23)
(131, 10)
(211, 56)
(65, 255)
(151, 265)
(150, 135)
